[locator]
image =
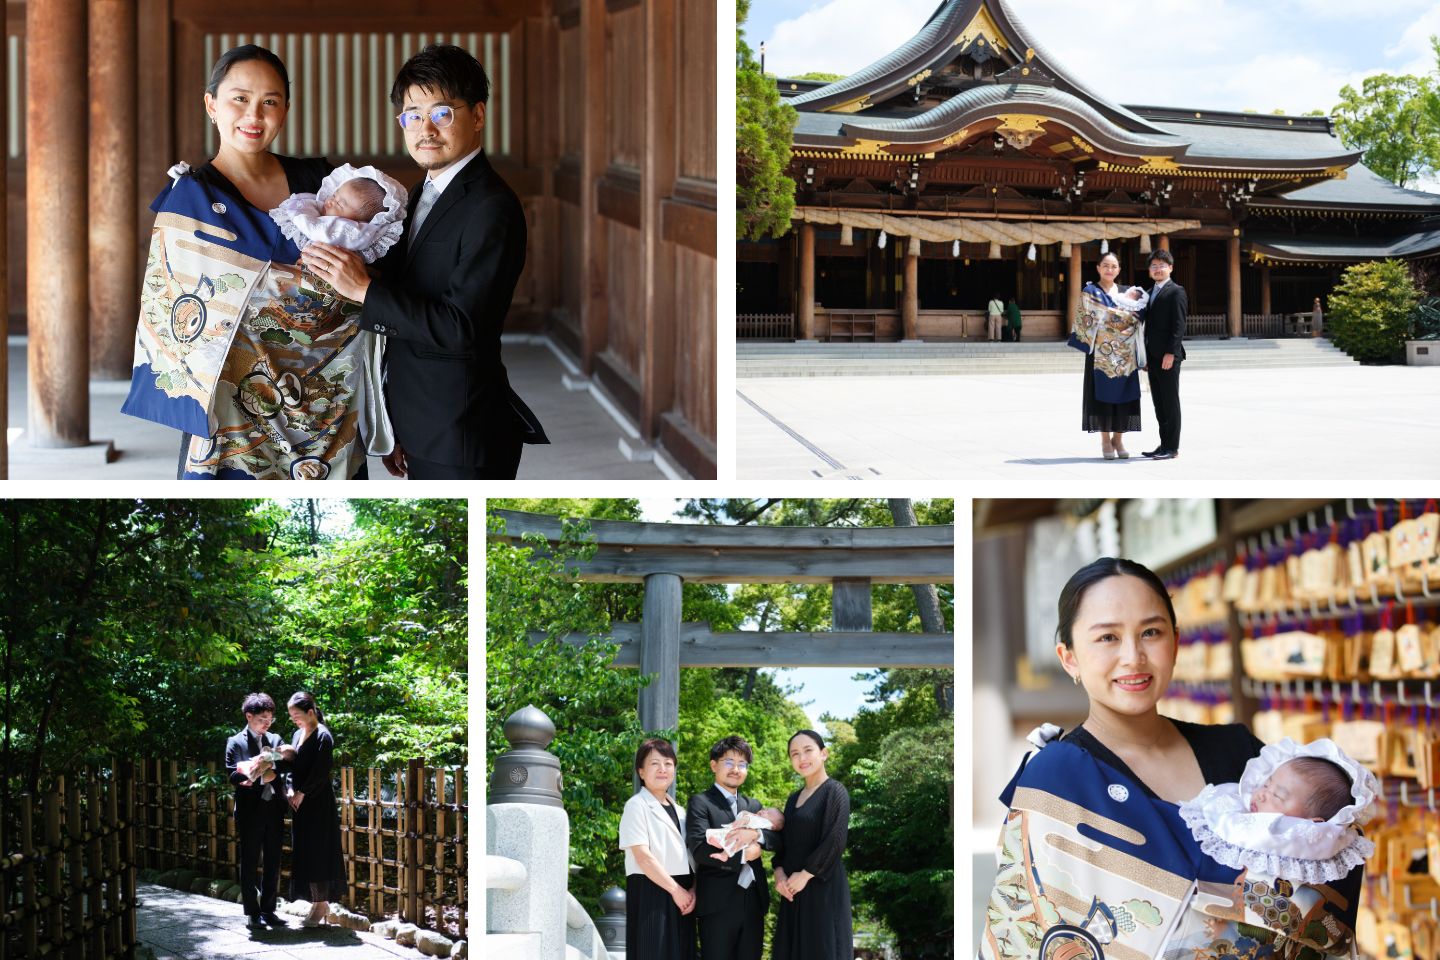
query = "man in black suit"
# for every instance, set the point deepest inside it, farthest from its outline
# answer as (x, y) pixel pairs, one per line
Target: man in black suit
(443, 291)
(259, 812)
(731, 896)
(1164, 350)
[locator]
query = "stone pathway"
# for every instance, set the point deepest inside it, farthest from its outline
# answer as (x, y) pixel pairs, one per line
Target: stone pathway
(188, 926)
(1311, 430)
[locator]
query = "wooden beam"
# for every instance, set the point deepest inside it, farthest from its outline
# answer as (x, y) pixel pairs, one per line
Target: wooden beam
(698, 647)
(850, 604)
(627, 552)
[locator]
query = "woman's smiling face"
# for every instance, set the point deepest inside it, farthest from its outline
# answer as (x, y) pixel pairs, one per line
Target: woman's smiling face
(1123, 645)
(249, 106)
(807, 756)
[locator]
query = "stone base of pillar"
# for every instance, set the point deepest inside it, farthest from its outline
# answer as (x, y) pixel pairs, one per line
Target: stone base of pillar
(96, 453)
(635, 451)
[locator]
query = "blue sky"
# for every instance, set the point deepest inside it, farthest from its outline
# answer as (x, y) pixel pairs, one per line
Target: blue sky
(826, 690)
(1293, 55)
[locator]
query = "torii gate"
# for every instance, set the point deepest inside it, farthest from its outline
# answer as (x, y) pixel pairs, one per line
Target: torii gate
(665, 555)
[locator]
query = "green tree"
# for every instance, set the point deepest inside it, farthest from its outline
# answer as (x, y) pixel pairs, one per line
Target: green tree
(1371, 310)
(820, 76)
(763, 128)
(1395, 120)
(902, 835)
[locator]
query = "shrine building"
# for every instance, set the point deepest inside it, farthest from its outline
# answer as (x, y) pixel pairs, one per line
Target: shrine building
(968, 163)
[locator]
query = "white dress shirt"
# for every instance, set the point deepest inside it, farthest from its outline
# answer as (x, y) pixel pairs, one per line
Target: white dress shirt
(646, 821)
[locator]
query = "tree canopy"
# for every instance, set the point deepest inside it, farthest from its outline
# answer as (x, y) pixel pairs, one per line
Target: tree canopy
(905, 733)
(763, 128)
(134, 628)
(1395, 120)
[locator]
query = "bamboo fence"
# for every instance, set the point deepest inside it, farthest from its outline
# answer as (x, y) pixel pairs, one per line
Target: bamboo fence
(403, 833)
(67, 870)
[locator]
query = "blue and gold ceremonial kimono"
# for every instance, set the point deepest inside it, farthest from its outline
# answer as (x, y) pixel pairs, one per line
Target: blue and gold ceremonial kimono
(237, 345)
(1092, 867)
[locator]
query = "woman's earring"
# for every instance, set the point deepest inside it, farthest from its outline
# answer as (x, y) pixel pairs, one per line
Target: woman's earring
(1075, 679)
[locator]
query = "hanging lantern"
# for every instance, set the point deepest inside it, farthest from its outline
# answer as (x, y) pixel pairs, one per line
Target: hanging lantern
(847, 235)
(1030, 254)
(955, 249)
(1064, 248)
(881, 242)
(994, 250)
(1144, 243)
(1104, 246)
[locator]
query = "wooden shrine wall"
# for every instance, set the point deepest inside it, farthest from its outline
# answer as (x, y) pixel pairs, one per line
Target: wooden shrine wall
(635, 184)
(602, 118)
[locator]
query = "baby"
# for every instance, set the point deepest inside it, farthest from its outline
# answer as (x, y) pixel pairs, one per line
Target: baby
(360, 209)
(767, 819)
(263, 762)
(1294, 814)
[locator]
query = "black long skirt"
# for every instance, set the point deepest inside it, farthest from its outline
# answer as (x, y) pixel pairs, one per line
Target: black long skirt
(317, 863)
(654, 928)
(1106, 417)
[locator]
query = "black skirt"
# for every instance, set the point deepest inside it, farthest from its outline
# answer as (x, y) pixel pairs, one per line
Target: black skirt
(654, 928)
(1106, 417)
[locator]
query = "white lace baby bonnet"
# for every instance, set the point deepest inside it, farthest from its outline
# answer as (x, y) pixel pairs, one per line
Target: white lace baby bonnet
(1277, 845)
(300, 219)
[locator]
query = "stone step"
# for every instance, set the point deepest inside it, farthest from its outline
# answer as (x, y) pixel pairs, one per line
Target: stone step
(511, 946)
(956, 359)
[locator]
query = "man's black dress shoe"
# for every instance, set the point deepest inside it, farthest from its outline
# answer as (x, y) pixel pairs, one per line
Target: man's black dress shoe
(254, 922)
(273, 920)
(1165, 455)
(1151, 453)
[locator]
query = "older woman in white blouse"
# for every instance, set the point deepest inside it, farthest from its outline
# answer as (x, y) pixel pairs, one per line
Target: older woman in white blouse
(659, 875)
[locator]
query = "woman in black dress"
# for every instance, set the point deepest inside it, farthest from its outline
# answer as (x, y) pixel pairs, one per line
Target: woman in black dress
(1111, 420)
(317, 868)
(659, 874)
(813, 922)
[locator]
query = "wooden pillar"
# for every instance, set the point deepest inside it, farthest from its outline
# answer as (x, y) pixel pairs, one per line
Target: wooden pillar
(910, 304)
(660, 652)
(594, 110)
(1164, 241)
(114, 279)
(1265, 290)
(1233, 319)
(806, 306)
(55, 236)
(850, 604)
(1072, 300)
(657, 181)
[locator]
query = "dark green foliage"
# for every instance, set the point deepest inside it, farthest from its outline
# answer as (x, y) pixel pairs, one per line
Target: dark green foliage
(1370, 311)
(134, 628)
(902, 837)
(763, 128)
(1426, 320)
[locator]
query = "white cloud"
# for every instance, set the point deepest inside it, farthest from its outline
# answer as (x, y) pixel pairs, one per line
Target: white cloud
(841, 36)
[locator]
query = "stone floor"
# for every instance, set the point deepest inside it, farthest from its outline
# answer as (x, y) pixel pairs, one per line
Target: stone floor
(1318, 430)
(188, 926)
(585, 439)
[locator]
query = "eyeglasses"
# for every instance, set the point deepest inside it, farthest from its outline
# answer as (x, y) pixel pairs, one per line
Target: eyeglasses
(742, 766)
(442, 116)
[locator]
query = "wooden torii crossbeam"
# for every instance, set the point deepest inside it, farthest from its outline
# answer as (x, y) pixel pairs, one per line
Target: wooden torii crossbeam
(664, 555)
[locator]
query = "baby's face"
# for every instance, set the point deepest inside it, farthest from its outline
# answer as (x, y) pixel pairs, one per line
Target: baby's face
(1285, 792)
(1134, 293)
(345, 202)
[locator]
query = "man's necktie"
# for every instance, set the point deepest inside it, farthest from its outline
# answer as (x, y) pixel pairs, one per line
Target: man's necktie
(747, 875)
(269, 790)
(428, 196)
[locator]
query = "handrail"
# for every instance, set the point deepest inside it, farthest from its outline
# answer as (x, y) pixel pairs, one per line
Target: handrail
(504, 873)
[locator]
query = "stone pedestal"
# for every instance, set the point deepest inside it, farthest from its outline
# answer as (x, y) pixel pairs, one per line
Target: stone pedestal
(539, 837)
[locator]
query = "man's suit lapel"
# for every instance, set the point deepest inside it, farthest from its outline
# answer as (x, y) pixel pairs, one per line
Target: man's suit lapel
(721, 801)
(456, 189)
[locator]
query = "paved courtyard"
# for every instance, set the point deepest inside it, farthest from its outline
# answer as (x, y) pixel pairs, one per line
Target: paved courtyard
(188, 926)
(1320, 430)
(584, 439)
